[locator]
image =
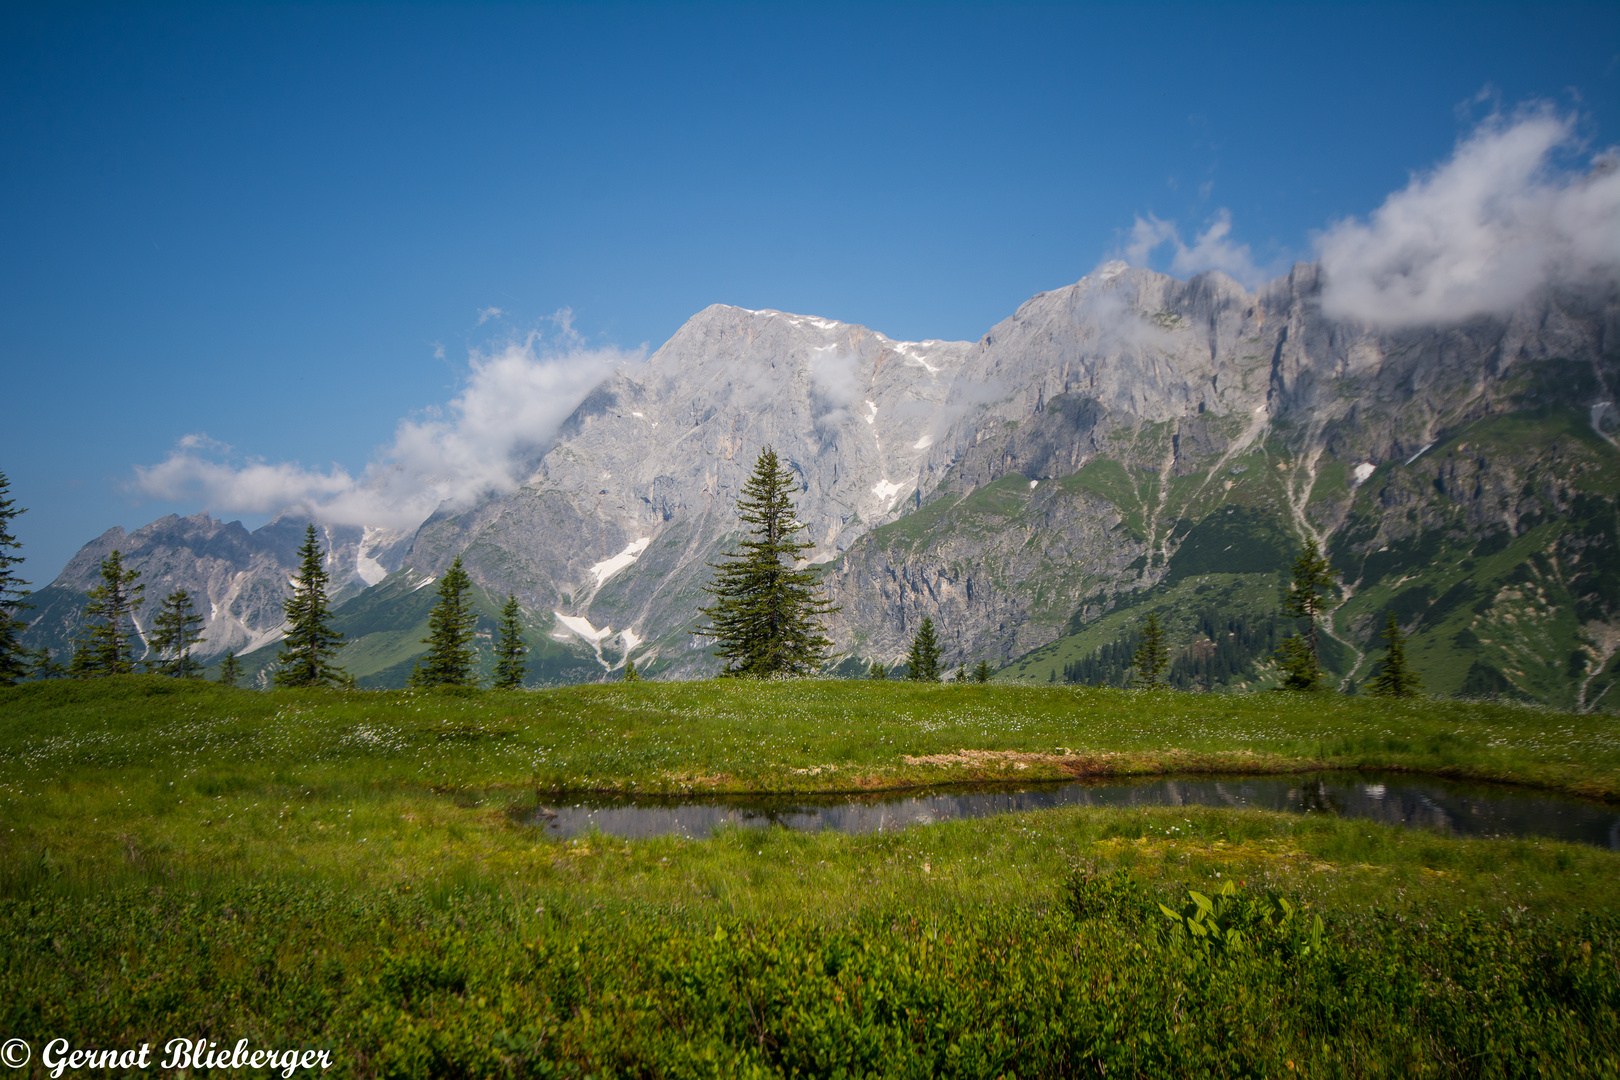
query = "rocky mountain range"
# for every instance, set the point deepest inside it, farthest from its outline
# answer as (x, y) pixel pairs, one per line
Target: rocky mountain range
(1131, 442)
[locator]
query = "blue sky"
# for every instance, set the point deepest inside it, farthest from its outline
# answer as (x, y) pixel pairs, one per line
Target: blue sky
(284, 228)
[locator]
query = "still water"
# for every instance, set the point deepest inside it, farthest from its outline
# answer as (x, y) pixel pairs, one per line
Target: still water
(1393, 798)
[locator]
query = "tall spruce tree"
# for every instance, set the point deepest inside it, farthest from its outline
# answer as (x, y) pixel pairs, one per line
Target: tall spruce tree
(922, 662)
(230, 669)
(982, 672)
(450, 655)
(306, 652)
(105, 646)
(766, 618)
(1310, 597)
(511, 652)
(15, 661)
(1395, 678)
(174, 631)
(1152, 655)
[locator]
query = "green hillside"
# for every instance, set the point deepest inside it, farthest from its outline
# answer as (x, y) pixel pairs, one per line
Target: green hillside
(385, 626)
(1519, 609)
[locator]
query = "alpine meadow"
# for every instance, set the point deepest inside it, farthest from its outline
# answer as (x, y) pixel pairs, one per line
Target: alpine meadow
(1206, 666)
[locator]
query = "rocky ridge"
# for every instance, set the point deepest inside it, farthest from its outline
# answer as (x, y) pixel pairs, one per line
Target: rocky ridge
(1026, 489)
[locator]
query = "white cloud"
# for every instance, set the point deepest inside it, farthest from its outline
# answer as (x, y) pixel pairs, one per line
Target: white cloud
(834, 385)
(486, 440)
(488, 313)
(1482, 232)
(1212, 249)
(1146, 235)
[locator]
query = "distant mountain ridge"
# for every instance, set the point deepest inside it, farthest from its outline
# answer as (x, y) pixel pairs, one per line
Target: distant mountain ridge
(237, 579)
(1111, 444)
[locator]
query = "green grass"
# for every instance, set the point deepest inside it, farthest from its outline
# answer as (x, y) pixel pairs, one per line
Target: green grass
(353, 871)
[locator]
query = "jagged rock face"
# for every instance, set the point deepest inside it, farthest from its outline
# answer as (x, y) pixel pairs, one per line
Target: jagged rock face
(617, 526)
(1020, 488)
(237, 580)
(1123, 409)
(1173, 384)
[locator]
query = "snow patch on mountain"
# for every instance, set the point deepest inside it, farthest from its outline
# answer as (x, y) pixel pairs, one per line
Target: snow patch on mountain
(608, 567)
(369, 569)
(581, 628)
(887, 491)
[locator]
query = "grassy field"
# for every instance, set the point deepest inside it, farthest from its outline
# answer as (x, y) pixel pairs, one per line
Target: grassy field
(352, 871)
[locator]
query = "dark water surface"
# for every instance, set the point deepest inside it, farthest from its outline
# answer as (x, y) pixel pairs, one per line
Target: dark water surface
(1461, 809)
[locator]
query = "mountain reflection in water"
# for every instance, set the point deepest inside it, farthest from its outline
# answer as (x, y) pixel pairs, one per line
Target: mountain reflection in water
(1392, 798)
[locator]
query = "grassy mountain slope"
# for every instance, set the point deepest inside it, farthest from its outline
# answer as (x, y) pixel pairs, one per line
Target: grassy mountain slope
(385, 626)
(1522, 605)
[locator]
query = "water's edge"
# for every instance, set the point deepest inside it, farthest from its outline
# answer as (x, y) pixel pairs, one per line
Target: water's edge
(1463, 808)
(1460, 776)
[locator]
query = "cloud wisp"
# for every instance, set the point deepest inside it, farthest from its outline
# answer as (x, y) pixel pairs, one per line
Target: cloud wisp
(1482, 232)
(834, 385)
(486, 440)
(1212, 249)
(1478, 234)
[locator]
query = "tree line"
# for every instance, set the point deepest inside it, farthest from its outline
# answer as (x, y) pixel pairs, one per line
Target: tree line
(110, 641)
(765, 621)
(1142, 656)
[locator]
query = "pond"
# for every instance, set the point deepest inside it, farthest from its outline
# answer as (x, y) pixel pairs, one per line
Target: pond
(1460, 809)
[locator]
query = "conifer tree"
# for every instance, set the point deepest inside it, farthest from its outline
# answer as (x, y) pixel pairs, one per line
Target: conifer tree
(766, 618)
(1300, 669)
(104, 647)
(14, 659)
(1152, 655)
(1309, 597)
(230, 669)
(43, 666)
(174, 632)
(878, 670)
(511, 651)
(922, 663)
(307, 651)
(1395, 679)
(630, 671)
(449, 660)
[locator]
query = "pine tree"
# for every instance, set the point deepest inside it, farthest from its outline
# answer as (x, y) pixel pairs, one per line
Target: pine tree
(922, 663)
(766, 618)
(878, 670)
(1300, 669)
(630, 671)
(1152, 655)
(174, 632)
(449, 660)
(982, 672)
(43, 666)
(1395, 679)
(104, 648)
(307, 651)
(14, 659)
(230, 669)
(1309, 597)
(510, 650)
